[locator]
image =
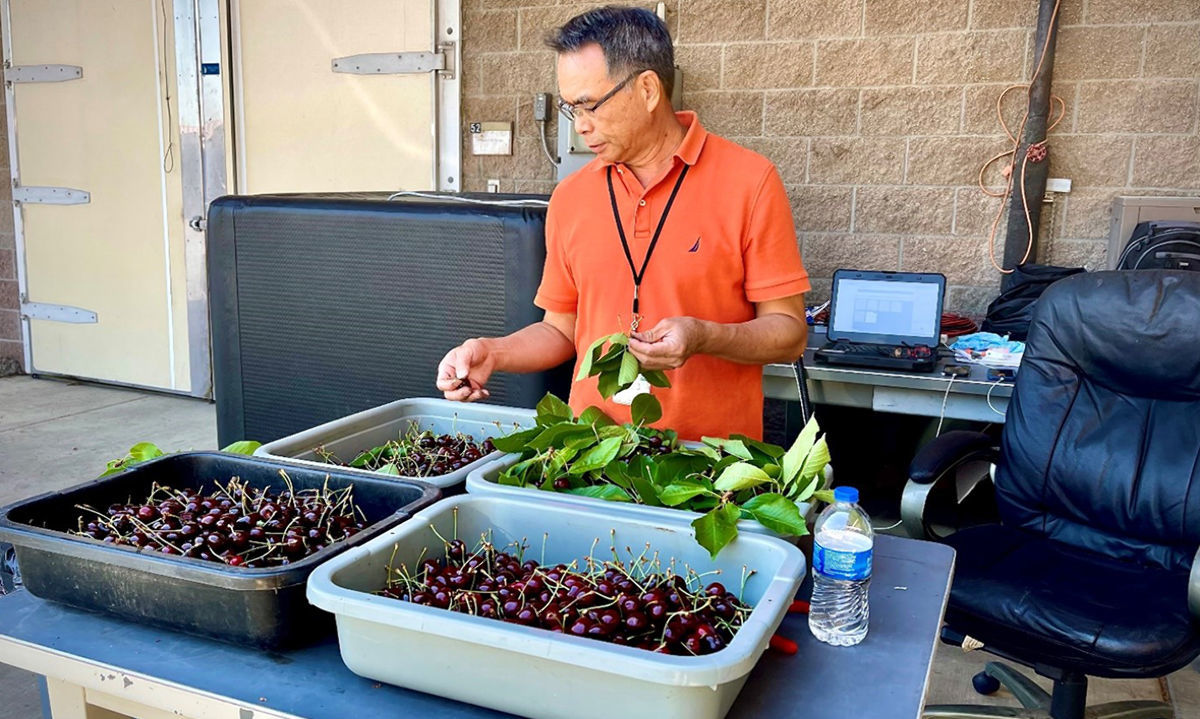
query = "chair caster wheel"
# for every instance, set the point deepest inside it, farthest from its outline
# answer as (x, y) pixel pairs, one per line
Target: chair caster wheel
(985, 683)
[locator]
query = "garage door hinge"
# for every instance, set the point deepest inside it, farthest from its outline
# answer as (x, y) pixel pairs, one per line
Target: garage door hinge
(42, 73)
(50, 195)
(399, 63)
(57, 313)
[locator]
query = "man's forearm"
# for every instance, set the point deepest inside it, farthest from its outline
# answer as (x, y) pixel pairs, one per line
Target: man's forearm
(762, 340)
(540, 346)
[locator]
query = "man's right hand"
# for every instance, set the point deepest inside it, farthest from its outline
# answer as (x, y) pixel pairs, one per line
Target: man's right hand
(465, 370)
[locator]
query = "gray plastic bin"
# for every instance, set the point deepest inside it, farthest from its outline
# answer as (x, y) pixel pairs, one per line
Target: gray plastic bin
(482, 481)
(349, 436)
(534, 672)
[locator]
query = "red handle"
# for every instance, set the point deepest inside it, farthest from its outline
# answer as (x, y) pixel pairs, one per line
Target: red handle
(783, 644)
(798, 607)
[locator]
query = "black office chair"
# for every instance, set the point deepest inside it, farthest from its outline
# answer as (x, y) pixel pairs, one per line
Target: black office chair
(1093, 568)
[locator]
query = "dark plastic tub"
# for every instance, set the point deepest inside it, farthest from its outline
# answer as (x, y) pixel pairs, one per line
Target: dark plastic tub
(264, 607)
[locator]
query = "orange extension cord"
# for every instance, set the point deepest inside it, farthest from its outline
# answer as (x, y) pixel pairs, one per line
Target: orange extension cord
(1036, 152)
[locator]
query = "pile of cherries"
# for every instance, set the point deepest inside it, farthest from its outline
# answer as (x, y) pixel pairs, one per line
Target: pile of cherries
(630, 605)
(418, 454)
(238, 525)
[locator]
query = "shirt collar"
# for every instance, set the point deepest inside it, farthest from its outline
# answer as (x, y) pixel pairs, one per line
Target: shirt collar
(693, 140)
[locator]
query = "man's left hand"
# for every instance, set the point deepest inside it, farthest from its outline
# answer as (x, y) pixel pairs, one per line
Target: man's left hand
(669, 343)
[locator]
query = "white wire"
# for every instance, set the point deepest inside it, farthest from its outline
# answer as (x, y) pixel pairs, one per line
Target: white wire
(884, 529)
(989, 397)
(546, 146)
(468, 200)
(942, 414)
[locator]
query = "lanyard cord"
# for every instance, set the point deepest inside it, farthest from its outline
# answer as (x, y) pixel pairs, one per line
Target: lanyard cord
(637, 276)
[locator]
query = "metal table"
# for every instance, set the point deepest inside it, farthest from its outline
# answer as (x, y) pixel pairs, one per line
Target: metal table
(914, 393)
(92, 660)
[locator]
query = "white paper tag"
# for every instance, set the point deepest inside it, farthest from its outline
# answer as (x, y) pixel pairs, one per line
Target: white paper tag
(625, 396)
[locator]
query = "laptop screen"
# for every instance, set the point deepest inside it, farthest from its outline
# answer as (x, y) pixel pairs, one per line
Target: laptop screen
(886, 307)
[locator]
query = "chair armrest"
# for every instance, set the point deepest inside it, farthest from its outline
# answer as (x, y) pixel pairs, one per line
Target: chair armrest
(946, 451)
(936, 461)
(1194, 588)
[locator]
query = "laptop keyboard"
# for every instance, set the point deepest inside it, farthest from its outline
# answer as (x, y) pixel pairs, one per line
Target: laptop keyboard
(858, 348)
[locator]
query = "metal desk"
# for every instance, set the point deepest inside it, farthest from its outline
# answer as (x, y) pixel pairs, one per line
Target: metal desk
(915, 393)
(92, 660)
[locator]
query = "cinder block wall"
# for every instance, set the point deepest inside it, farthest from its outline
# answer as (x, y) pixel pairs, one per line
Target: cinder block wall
(880, 113)
(10, 325)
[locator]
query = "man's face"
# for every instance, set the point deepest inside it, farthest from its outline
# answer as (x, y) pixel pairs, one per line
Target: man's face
(612, 131)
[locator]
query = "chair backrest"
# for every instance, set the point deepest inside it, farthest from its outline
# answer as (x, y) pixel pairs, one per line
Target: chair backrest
(1101, 447)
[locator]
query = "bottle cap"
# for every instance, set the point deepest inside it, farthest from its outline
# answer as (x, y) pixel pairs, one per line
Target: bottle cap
(845, 494)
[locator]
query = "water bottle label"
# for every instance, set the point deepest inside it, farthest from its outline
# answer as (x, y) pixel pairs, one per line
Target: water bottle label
(837, 564)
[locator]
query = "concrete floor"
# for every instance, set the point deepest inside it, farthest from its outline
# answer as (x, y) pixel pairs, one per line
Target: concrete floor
(55, 434)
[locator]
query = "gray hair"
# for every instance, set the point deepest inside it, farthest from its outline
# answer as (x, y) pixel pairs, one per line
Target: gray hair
(633, 39)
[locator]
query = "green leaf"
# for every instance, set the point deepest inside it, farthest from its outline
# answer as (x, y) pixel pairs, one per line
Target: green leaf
(596, 417)
(617, 472)
(793, 459)
(629, 369)
(556, 435)
(143, 451)
(619, 338)
(551, 407)
(646, 490)
(740, 476)
(803, 489)
(611, 492)
(657, 377)
(777, 513)
(389, 468)
(246, 446)
(646, 409)
(507, 479)
(589, 358)
(704, 450)
(608, 384)
(597, 457)
(773, 451)
(610, 360)
(519, 470)
(642, 466)
(676, 465)
(114, 466)
(680, 491)
(559, 461)
(613, 430)
(731, 446)
(825, 495)
(717, 528)
(814, 465)
(516, 441)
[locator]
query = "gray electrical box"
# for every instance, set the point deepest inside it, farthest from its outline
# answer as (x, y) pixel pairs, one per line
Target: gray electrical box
(572, 150)
(1127, 212)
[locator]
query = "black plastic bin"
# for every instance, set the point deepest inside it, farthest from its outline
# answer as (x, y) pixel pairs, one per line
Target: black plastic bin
(262, 606)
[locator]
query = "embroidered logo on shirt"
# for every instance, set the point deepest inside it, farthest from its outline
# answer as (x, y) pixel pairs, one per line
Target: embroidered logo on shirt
(696, 247)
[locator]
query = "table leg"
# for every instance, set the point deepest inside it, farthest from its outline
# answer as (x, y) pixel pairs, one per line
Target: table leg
(69, 701)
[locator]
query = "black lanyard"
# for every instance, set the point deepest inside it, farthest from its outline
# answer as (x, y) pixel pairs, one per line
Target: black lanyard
(637, 276)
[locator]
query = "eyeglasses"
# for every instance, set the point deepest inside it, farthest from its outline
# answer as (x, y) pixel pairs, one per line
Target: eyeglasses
(570, 111)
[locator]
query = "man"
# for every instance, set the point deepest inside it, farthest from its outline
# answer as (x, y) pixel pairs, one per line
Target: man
(679, 237)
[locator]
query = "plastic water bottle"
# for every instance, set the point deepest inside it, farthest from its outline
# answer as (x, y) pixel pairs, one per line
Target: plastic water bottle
(842, 548)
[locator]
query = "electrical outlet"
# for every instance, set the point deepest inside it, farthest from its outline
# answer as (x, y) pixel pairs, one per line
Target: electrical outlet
(1058, 184)
(541, 106)
(493, 185)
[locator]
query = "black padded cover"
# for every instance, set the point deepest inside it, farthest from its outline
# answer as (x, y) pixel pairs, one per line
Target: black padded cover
(324, 305)
(1098, 485)
(1101, 447)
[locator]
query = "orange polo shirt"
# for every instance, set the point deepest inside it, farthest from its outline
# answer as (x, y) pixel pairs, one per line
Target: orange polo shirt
(728, 243)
